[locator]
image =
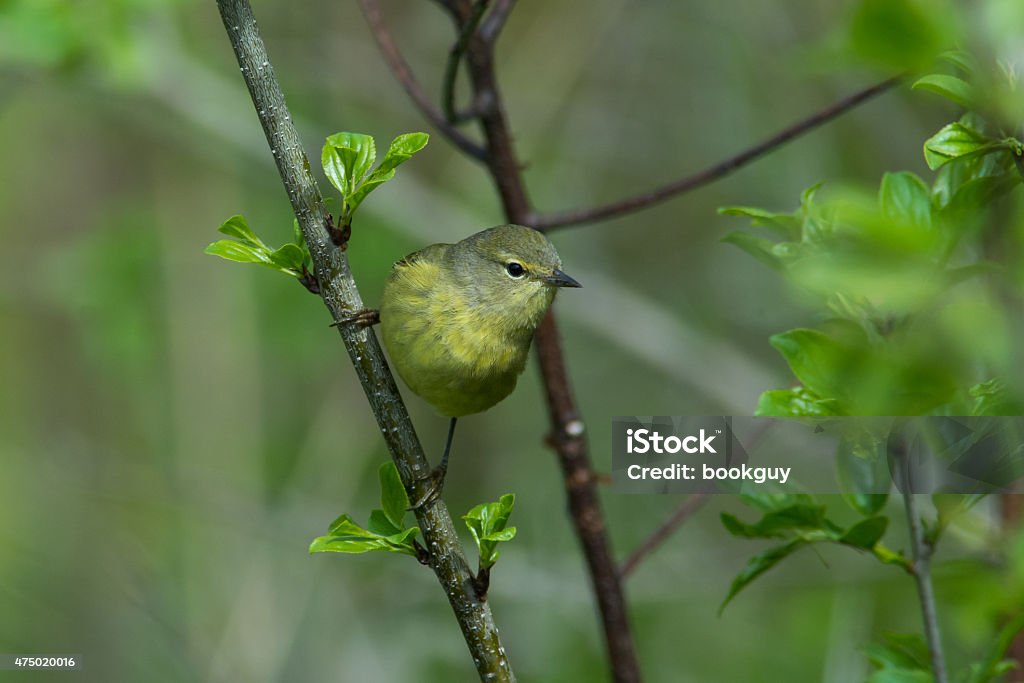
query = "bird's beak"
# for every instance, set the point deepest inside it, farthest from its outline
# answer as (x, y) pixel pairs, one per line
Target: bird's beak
(560, 279)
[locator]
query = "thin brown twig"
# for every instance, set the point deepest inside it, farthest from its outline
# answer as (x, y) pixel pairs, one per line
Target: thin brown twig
(684, 510)
(451, 70)
(562, 219)
(495, 21)
(682, 513)
(403, 74)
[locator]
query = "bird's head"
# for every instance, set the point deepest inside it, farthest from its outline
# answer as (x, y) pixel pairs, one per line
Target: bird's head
(513, 268)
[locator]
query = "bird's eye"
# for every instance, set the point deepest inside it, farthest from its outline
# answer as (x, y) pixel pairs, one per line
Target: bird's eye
(515, 269)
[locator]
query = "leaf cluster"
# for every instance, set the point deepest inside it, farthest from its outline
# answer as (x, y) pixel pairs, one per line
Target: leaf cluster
(385, 531)
(347, 161)
(487, 523)
(800, 521)
(904, 658)
(291, 259)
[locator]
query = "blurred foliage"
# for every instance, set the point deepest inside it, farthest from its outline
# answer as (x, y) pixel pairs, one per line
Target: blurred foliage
(189, 427)
(886, 270)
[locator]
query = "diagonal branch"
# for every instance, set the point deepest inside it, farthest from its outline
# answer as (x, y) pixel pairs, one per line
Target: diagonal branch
(403, 74)
(339, 292)
(682, 513)
(561, 219)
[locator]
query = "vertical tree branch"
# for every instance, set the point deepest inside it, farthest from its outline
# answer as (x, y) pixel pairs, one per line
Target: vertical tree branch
(570, 444)
(925, 592)
(567, 428)
(491, 28)
(921, 552)
(339, 292)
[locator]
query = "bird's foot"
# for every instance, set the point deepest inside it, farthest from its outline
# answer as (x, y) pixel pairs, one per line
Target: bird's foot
(367, 317)
(435, 484)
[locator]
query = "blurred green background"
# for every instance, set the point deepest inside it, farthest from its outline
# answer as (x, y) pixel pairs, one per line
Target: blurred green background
(174, 430)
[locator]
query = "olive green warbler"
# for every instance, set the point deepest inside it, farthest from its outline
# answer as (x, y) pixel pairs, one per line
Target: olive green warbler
(457, 319)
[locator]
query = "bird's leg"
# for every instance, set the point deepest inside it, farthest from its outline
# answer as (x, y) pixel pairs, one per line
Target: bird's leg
(437, 475)
(366, 317)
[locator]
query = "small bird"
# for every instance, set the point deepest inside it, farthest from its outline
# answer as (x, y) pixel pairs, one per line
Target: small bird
(458, 319)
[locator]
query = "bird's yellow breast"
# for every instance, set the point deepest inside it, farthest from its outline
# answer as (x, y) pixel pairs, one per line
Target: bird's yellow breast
(456, 355)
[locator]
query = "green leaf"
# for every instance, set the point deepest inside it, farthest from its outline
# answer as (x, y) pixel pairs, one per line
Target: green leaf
(994, 665)
(887, 656)
(758, 565)
(381, 525)
(290, 258)
(393, 497)
(949, 506)
(785, 225)
(797, 402)
(899, 34)
(905, 197)
(956, 141)
(742, 530)
(900, 676)
(912, 645)
(248, 248)
(865, 534)
(240, 252)
(888, 556)
(991, 398)
(950, 87)
(814, 358)
(238, 227)
(758, 247)
(346, 158)
(345, 536)
(976, 194)
(865, 379)
(506, 534)
(960, 59)
(402, 148)
(402, 541)
(486, 522)
(768, 501)
(799, 516)
(863, 470)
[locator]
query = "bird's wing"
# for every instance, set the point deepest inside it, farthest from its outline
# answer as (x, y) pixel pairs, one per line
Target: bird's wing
(420, 271)
(434, 252)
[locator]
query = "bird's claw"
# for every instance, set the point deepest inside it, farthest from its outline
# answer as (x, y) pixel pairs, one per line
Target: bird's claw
(434, 488)
(367, 317)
